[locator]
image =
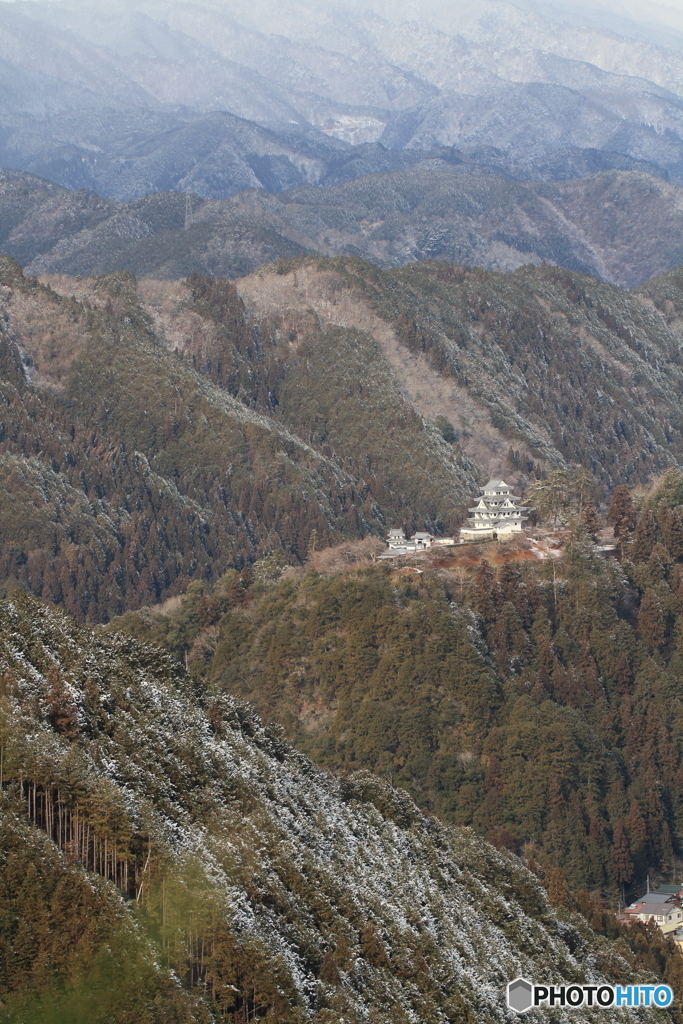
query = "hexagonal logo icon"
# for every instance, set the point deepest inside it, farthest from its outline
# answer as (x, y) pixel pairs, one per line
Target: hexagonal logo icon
(520, 995)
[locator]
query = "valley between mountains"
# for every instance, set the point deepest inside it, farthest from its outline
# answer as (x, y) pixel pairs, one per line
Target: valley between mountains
(165, 856)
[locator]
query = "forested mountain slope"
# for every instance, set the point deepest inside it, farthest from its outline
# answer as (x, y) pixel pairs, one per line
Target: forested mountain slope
(623, 226)
(128, 470)
(157, 432)
(556, 366)
(537, 701)
(222, 864)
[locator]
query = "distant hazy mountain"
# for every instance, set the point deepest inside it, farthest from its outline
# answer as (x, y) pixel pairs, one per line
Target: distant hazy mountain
(622, 226)
(127, 98)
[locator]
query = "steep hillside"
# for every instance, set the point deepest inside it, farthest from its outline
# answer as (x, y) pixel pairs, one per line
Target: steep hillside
(553, 365)
(538, 701)
(128, 470)
(623, 226)
(225, 865)
(158, 432)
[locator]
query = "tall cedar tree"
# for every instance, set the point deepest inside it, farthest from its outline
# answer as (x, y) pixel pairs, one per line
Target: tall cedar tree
(591, 520)
(621, 512)
(651, 625)
(621, 863)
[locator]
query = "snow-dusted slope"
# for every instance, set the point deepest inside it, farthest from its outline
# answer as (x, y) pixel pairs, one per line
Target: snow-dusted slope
(363, 908)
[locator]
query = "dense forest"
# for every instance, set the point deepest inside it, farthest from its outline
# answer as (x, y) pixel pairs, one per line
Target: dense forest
(165, 857)
(537, 702)
(570, 369)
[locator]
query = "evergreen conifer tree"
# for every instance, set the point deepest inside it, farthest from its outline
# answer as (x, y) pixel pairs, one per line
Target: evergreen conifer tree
(621, 512)
(651, 625)
(644, 537)
(62, 712)
(486, 592)
(671, 525)
(591, 520)
(621, 864)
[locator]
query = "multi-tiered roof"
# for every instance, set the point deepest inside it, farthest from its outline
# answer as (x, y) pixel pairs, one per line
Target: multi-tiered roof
(498, 509)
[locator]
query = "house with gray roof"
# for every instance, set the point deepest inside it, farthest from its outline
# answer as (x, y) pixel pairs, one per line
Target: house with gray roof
(665, 909)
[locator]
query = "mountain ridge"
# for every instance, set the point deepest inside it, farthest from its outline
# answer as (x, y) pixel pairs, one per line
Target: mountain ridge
(131, 100)
(623, 226)
(158, 432)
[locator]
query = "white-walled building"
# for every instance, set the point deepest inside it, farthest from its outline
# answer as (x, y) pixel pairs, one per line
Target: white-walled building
(664, 909)
(497, 513)
(396, 539)
(400, 545)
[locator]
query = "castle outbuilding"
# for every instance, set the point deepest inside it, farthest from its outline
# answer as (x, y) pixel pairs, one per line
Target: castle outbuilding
(497, 514)
(400, 545)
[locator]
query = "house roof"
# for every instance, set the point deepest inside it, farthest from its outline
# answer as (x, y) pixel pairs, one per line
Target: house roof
(493, 484)
(671, 889)
(649, 901)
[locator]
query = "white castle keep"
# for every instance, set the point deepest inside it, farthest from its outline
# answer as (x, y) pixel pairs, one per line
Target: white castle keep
(497, 513)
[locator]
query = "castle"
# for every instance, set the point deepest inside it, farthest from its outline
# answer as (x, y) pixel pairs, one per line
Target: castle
(497, 514)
